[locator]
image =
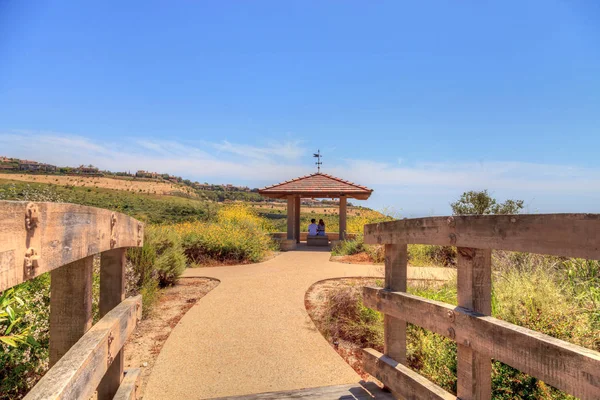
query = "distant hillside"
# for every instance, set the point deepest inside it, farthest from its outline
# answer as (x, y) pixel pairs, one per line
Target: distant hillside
(161, 187)
(128, 184)
(148, 207)
(18, 166)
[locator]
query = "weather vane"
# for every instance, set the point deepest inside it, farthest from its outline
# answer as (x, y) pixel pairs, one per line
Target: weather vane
(318, 156)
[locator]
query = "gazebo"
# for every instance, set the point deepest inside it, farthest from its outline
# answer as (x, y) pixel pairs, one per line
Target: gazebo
(313, 186)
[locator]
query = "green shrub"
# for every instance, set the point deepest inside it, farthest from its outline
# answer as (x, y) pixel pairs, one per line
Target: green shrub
(226, 242)
(424, 255)
(355, 246)
(509, 383)
(583, 277)
(238, 236)
(376, 252)
(349, 319)
(158, 263)
(419, 255)
(150, 293)
(144, 277)
(170, 265)
(12, 331)
(528, 290)
(349, 247)
(22, 364)
(170, 261)
(534, 294)
(433, 355)
(143, 260)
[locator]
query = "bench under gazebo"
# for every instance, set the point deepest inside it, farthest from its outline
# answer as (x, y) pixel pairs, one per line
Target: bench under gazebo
(315, 186)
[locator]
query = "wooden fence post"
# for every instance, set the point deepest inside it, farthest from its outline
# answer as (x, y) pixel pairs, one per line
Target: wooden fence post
(70, 305)
(474, 292)
(396, 269)
(112, 293)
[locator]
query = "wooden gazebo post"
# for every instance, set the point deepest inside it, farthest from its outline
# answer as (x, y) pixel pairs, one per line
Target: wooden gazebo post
(297, 218)
(291, 202)
(315, 186)
(342, 212)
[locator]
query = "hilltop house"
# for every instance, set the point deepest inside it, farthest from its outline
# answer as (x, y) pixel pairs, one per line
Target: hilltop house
(146, 174)
(89, 170)
(33, 166)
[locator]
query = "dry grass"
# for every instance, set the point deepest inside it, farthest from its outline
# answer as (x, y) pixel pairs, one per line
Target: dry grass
(551, 295)
(332, 305)
(137, 186)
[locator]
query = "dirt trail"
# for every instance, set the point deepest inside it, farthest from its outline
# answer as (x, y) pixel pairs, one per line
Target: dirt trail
(143, 347)
(252, 333)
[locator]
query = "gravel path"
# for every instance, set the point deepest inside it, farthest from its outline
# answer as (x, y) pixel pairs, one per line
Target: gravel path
(252, 334)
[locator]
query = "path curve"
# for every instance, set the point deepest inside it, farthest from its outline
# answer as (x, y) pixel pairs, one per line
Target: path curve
(252, 334)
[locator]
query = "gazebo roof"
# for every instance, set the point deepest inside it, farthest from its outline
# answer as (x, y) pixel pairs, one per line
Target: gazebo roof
(317, 186)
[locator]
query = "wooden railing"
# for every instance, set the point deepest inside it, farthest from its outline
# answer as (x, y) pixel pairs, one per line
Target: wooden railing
(63, 239)
(479, 337)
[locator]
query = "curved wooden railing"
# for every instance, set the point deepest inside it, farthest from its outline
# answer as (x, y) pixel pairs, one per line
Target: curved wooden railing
(63, 239)
(479, 337)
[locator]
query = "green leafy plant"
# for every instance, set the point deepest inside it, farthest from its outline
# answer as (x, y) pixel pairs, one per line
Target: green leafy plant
(349, 247)
(22, 359)
(474, 202)
(11, 321)
(376, 253)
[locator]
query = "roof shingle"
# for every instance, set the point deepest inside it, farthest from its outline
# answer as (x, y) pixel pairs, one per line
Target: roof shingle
(316, 185)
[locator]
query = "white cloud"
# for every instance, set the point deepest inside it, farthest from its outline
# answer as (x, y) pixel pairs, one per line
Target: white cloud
(419, 189)
(285, 150)
(273, 163)
(477, 175)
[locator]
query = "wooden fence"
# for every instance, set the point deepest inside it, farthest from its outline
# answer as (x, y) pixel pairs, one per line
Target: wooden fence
(63, 239)
(479, 337)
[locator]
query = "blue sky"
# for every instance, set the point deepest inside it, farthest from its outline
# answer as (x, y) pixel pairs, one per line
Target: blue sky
(418, 100)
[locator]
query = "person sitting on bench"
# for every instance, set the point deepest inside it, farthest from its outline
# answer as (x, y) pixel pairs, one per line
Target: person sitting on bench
(312, 228)
(321, 228)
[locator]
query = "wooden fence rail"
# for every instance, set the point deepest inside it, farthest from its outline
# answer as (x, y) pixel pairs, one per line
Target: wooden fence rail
(479, 337)
(63, 239)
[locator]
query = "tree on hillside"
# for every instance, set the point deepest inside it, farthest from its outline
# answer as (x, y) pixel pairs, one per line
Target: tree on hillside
(474, 202)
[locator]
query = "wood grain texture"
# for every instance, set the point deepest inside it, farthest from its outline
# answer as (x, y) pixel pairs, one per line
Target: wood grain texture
(62, 234)
(568, 235)
(343, 216)
(396, 272)
(77, 374)
(362, 391)
(403, 381)
(474, 273)
(70, 306)
(297, 219)
(568, 367)
(112, 293)
(128, 388)
(290, 217)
